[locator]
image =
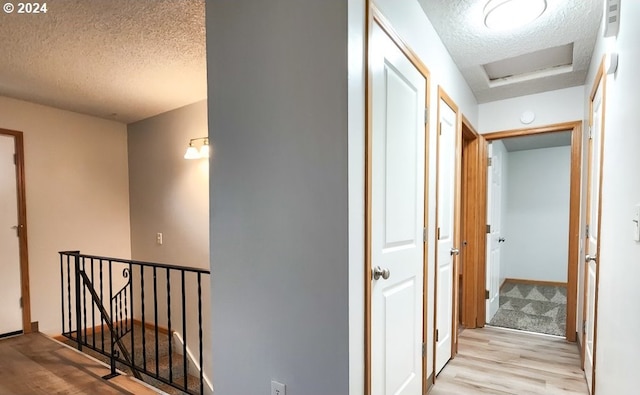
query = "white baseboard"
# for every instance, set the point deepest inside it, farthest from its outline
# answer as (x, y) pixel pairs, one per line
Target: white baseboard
(193, 365)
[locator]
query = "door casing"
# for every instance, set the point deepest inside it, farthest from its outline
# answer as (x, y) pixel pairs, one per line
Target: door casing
(23, 229)
(574, 219)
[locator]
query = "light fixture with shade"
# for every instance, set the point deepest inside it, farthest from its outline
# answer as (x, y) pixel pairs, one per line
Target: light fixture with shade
(509, 14)
(194, 153)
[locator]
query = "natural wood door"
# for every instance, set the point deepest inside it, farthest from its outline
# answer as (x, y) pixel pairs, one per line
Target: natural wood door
(397, 212)
(447, 125)
(10, 282)
(593, 226)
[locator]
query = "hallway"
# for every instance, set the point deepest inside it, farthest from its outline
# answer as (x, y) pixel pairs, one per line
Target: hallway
(504, 362)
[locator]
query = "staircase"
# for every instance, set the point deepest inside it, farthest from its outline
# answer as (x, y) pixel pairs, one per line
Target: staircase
(168, 365)
(99, 296)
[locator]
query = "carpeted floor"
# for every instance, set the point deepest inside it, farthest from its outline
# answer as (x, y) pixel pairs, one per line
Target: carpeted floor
(533, 308)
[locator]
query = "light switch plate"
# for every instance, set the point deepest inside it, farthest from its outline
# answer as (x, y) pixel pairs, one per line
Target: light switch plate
(278, 388)
(636, 223)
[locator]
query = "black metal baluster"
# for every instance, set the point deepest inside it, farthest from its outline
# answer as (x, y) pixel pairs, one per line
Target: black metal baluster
(184, 330)
(155, 315)
(101, 301)
(84, 306)
(130, 320)
(200, 332)
(113, 340)
(144, 338)
(93, 313)
(170, 333)
(69, 293)
(78, 307)
(62, 289)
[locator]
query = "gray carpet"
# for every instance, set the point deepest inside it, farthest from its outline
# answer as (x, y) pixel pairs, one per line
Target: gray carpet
(533, 308)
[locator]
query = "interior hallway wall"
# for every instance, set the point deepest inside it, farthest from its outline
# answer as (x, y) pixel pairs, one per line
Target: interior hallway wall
(537, 214)
(619, 257)
(77, 194)
(170, 195)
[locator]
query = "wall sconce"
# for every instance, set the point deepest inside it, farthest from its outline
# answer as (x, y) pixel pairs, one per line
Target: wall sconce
(194, 153)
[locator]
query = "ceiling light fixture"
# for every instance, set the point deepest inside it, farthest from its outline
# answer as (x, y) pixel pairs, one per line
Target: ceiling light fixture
(508, 14)
(194, 153)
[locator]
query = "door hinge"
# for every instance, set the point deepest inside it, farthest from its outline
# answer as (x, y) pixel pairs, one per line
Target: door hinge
(590, 132)
(489, 161)
(15, 159)
(584, 327)
(486, 294)
(437, 335)
(587, 231)
(424, 350)
(424, 235)
(426, 115)
(438, 234)
(21, 305)
(488, 228)
(440, 128)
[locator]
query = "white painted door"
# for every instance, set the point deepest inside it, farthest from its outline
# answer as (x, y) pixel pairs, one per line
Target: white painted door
(397, 212)
(10, 291)
(592, 245)
(494, 201)
(446, 228)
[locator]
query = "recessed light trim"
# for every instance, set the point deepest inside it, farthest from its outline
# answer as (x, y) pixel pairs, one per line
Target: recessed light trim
(509, 14)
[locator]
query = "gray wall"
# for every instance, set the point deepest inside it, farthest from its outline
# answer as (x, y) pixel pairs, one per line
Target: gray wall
(279, 218)
(537, 214)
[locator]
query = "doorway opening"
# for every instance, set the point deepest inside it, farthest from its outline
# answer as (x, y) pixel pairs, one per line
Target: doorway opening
(14, 269)
(532, 248)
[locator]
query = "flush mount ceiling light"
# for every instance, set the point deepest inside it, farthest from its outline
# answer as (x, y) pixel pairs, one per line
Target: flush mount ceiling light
(194, 153)
(508, 14)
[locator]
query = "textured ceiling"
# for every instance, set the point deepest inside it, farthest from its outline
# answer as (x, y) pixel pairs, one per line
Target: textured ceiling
(537, 141)
(460, 25)
(117, 59)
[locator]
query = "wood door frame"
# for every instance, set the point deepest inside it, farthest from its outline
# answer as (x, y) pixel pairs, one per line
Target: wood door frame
(472, 204)
(575, 234)
(22, 223)
(600, 80)
(443, 96)
(374, 16)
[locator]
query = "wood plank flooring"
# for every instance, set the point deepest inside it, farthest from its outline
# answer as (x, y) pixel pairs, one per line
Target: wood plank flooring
(34, 364)
(504, 362)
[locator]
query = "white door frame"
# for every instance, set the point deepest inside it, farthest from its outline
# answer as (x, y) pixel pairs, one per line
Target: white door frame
(375, 16)
(22, 219)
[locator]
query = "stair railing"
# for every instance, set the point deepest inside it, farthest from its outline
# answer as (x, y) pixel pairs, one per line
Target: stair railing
(104, 300)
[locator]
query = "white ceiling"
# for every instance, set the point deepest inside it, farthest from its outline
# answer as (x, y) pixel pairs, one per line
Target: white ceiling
(460, 25)
(116, 59)
(537, 141)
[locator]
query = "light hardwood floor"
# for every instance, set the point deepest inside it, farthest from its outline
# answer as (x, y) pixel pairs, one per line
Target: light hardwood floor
(34, 364)
(502, 362)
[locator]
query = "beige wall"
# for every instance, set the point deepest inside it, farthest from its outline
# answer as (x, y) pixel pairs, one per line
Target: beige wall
(77, 194)
(170, 195)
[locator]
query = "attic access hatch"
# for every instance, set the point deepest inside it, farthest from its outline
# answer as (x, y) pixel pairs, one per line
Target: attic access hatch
(543, 63)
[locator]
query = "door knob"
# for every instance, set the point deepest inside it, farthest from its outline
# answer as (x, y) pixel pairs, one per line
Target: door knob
(380, 272)
(455, 251)
(501, 240)
(591, 258)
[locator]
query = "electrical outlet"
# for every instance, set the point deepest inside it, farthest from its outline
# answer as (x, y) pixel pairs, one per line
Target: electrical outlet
(159, 238)
(278, 388)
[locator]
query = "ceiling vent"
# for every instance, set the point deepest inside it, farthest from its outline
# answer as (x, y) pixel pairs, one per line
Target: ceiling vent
(543, 63)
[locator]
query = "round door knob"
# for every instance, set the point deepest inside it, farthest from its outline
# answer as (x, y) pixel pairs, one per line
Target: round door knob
(380, 272)
(591, 258)
(455, 251)
(501, 240)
